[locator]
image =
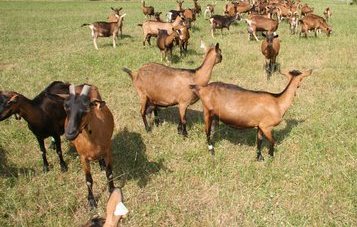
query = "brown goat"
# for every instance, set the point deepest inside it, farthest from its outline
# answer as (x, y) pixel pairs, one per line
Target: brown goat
(151, 28)
(89, 126)
(105, 29)
(165, 42)
(179, 5)
(306, 10)
(113, 18)
(148, 11)
(184, 36)
(293, 23)
(230, 9)
(243, 108)
(197, 7)
(157, 16)
(327, 13)
(115, 211)
(315, 23)
(270, 49)
(260, 23)
(209, 11)
(162, 86)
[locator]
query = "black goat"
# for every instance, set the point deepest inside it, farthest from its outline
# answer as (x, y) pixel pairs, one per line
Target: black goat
(44, 114)
(219, 21)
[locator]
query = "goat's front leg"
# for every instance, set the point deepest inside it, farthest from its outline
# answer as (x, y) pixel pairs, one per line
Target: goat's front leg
(63, 164)
(95, 42)
(109, 172)
(182, 125)
(114, 43)
(43, 150)
(89, 182)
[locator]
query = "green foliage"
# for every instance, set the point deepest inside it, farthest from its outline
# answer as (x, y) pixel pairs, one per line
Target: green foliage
(168, 180)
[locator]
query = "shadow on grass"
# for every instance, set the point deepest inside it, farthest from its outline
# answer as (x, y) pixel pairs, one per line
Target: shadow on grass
(130, 161)
(248, 136)
(9, 171)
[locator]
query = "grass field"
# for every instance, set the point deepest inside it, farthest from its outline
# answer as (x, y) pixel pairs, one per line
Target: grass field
(168, 180)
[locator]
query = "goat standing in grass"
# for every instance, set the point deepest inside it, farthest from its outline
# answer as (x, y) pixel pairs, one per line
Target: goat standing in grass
(106, 29)
(44, 115)
(242, 108)
(165, 42)
(220, 22)
(113, 18)
(270, 49)
(161, 86)
(89, 125)
(148, 11)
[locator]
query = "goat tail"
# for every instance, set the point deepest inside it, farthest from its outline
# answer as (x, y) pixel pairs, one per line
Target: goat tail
(129, 72)
(85, 25)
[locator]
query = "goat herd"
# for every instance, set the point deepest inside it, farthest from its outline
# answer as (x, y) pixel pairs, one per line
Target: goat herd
(80, 113)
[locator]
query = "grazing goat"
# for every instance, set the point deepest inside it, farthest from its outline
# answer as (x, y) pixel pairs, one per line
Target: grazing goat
(209, 11)
(44, 115)
(270, 49)
(165, 42)
(89, 126)
(315, 23)
(116, 211)
(148, 11)
(260, 23)
(151, 28)
(241, 108)
(162, 86)
(106, 29)
(220, 22)
(327, 13)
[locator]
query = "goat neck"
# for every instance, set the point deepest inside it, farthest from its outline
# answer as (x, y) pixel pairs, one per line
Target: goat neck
(203, 73)
(285, 98)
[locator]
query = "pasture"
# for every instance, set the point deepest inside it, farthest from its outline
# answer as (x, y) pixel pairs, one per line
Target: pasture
(168, 180)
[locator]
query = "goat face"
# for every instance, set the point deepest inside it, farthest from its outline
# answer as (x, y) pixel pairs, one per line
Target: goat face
(8, 104)
(270, 37)
(76, 107)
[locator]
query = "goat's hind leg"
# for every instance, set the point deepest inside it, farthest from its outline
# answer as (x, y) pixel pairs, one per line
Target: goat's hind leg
(208, 129)
(182, 124)
(144, 106)
(259, 145)
(269, 136)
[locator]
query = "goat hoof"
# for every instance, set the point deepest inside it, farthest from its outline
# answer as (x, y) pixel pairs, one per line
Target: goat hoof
(64, 168)
(92, 204)
(158, 122)
(260, 158)
(46, 169)
(52, 146)
(212, 151)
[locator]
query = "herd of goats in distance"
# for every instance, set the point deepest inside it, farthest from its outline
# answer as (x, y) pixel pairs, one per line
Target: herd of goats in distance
(83, 117)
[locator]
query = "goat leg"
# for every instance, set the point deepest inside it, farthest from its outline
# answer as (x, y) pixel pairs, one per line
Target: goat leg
(268, 134)
(208, 126)
(109, 174)
(259, 145)
(89, 182)
(182, 125)
(156, 117)
(43, 150)
(144, 107)
(63, 164)
(102, 164)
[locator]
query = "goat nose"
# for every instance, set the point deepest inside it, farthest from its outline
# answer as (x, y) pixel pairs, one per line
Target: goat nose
(71, 134)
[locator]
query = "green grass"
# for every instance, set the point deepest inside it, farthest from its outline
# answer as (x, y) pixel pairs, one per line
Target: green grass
(168, 180)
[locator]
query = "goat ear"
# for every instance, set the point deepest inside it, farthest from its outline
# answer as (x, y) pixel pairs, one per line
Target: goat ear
(217, 46)
(276, 35)
(285, 73)
(97, 103)
(13, 99)
(307, 73)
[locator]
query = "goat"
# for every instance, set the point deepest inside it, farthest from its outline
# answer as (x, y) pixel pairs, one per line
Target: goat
(162, 86)
(116, 211)
(44, 115)
(179, 5)
(157, 16)
(327, 13)
(260, 23)
(242, 108)
(209, 11)
(314, 22)
(270, 49)
(148, 11)
(165, 42)
(113, 18)
(230, 9)
(306, 10)
(151, 28)
(220, 22)
(89, 126)
(293, 22)
(106, 29)
(197, 7)
(184, 36)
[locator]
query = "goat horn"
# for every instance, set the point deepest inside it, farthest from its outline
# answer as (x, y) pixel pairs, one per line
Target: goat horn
(85, 90)
(71, 89)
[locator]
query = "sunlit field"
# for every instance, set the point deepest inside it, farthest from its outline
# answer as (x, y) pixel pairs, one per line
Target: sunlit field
(168, 180)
